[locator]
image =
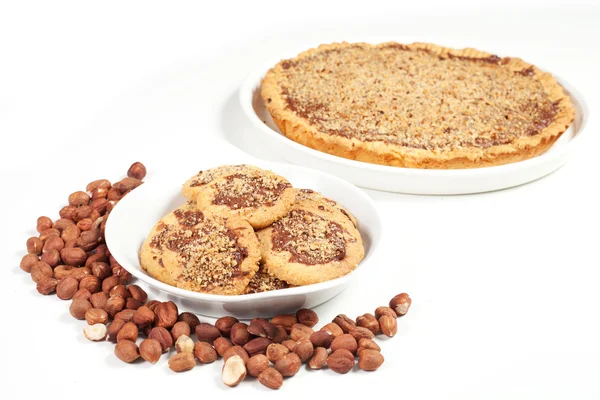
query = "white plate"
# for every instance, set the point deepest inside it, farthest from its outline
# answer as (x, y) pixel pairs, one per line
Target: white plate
(408, 180)
(135, 215)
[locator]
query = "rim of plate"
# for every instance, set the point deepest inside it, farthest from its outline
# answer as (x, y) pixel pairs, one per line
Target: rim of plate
(139, 273)
(254, 80)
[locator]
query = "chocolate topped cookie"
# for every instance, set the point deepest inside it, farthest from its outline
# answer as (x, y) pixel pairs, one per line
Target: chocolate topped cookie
(260, 197)
(202, 251)
(312, 243)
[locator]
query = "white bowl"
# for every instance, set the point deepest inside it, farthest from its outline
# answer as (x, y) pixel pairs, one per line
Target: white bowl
(406, 180)
(136, 214)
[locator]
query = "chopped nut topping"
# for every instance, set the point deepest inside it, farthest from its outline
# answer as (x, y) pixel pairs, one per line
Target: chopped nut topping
(309, 238)
(209, 175)
(415, 98)
(249, 190)
(263, 282)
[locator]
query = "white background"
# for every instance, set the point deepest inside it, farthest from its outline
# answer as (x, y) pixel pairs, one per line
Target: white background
(505, 284)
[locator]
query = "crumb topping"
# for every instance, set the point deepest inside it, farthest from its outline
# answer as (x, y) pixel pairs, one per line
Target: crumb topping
(207, 176)
(189, 218)
(309, 238)
(249, 190)
(415, 98)
(264, 282)
(209, 251)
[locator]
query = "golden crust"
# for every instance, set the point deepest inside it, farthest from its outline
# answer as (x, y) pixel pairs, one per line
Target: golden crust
(379, 152)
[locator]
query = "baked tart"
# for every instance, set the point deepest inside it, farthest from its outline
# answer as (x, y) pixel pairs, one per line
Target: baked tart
(417, 105)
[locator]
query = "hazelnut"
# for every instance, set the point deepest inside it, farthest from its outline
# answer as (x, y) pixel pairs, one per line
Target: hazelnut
(114, 194)
(114, 304)
(129, 331)
(182, 362)
(204, 352)
(88, 240)
(85, 224)
(40, 270)
(101, 270)
(400, 304)
(369, 360)
(236, 351)
(307, 317)
(127, 351)
(143, 317)
(150, 350)
(81, 213)
(239, 334)
(163, 336)
(341, 361)
(62, 271)
(109, 283)
(79, 307)
(96, 316)
(66, 288)
(138, 293)
(184, 344)
(280, 334)
(28, 261)
(180, 328)
(300, 331)
(99, 205)
(34, 245)
(285, 320)
(361, 333)
(91, 283)
(383, 310)
(100, 183)
(368, 321)
(43, 223)
(321, 339)
(224, 325)
(257, 364)
(288, 365)
(95, 332)
(275, 352)
(262, 328)
(132, 304)
(77, 199)
(257, 346)
(126, 315)
(289, 344)
(206, 332)
(368, 344)
(97, 258)
(152, 304)
(47, 285)
(166, 314)
(62, 223)
(70, 233)
(344, 322)
(123, 275)
(53, 243)
(82, 294)
(304, 348)
(389, 326)
(114, 328)
(99, 193)
(271, 378)
(127, 184)
(137, 171)
(66, 212)
(51, 257)
(80, 272)
(98, 300)
(234, 371)
(319, 358)
(73, 256)
(221, 345)
(188, 317)
(48, 233)
(346, 342)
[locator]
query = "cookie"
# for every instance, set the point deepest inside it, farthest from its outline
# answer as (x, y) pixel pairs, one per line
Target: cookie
(263, 281)
(310, 198)
(260, 197)
(198, 182)
(311, 245)
(202, 251)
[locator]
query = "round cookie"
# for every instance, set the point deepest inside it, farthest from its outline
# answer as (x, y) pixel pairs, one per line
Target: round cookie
(260, 197)
(264, 282)
(310, 198)
(310, 245)
(196, 184)
(202, 251)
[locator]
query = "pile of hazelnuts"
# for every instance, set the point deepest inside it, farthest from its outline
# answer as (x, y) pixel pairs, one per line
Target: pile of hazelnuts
(69, 257)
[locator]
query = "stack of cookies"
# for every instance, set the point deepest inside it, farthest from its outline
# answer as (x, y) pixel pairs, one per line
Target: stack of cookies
(247, 230)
